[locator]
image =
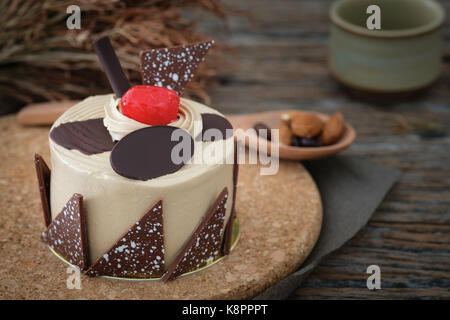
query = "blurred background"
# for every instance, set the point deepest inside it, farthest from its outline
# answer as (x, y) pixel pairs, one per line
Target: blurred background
(270, 55)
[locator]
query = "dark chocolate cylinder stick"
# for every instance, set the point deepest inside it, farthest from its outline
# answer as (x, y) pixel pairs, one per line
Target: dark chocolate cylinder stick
(111, 65)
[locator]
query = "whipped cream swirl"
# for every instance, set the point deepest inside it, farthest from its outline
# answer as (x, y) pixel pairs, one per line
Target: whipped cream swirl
(119, 125)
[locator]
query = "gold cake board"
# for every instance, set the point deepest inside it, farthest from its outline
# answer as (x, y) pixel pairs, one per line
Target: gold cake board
(280, 218)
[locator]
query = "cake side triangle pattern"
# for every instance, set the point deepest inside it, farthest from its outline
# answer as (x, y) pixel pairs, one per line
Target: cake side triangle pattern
(205, 244)
(172, 68)
(66, 234)
(43, 175)
(139, 253)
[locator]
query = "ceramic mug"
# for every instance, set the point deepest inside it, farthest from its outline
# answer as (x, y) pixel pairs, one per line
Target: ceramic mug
(404, 55)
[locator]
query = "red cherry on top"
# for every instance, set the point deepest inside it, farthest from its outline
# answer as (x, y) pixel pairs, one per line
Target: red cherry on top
(150, 105)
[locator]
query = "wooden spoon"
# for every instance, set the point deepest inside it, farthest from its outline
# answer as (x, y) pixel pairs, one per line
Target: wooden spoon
(44, 113)
(273, 119)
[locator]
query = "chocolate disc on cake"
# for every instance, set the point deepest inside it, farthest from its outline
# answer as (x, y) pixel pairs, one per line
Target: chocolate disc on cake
(88, 136)
(214, 121)
(150, 152)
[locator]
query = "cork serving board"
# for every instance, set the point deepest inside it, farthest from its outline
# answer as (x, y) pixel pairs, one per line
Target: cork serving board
(280, 218)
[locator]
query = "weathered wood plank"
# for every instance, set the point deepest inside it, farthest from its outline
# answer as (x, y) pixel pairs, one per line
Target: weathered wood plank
(281, 62)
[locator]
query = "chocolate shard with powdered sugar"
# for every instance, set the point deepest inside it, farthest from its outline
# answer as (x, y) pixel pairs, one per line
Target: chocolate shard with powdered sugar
(173, 68)
(137, 254)
(205, 244)
(43, 174)
(66, 234)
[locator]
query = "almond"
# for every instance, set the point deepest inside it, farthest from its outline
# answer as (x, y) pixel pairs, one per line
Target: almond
(287, 117)
(333, 129)
(306, 125)
(285, 135)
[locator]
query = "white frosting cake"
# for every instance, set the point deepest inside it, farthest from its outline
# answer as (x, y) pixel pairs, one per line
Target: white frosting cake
(113, 203)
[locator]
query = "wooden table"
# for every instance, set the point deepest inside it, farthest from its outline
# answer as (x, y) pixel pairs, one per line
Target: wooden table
(281, 63)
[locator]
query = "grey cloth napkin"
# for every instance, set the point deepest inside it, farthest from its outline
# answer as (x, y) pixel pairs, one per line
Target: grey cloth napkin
(351, 188)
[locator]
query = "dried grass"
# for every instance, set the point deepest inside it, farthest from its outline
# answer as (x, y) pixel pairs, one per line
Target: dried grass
(40, 59)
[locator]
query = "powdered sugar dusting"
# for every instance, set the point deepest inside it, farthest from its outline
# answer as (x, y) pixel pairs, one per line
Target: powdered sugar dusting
(205, 244)
(139, 253)
(173, 68)
(66, 233)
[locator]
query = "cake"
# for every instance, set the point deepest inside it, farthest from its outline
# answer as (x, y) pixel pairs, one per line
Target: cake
(115, 202)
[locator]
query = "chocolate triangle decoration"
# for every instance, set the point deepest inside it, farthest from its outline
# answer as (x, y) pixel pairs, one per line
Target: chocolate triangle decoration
(66, 234)
(172, 68)
(43, 176)
(205, 244)
(228, 236)
(139, 253)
